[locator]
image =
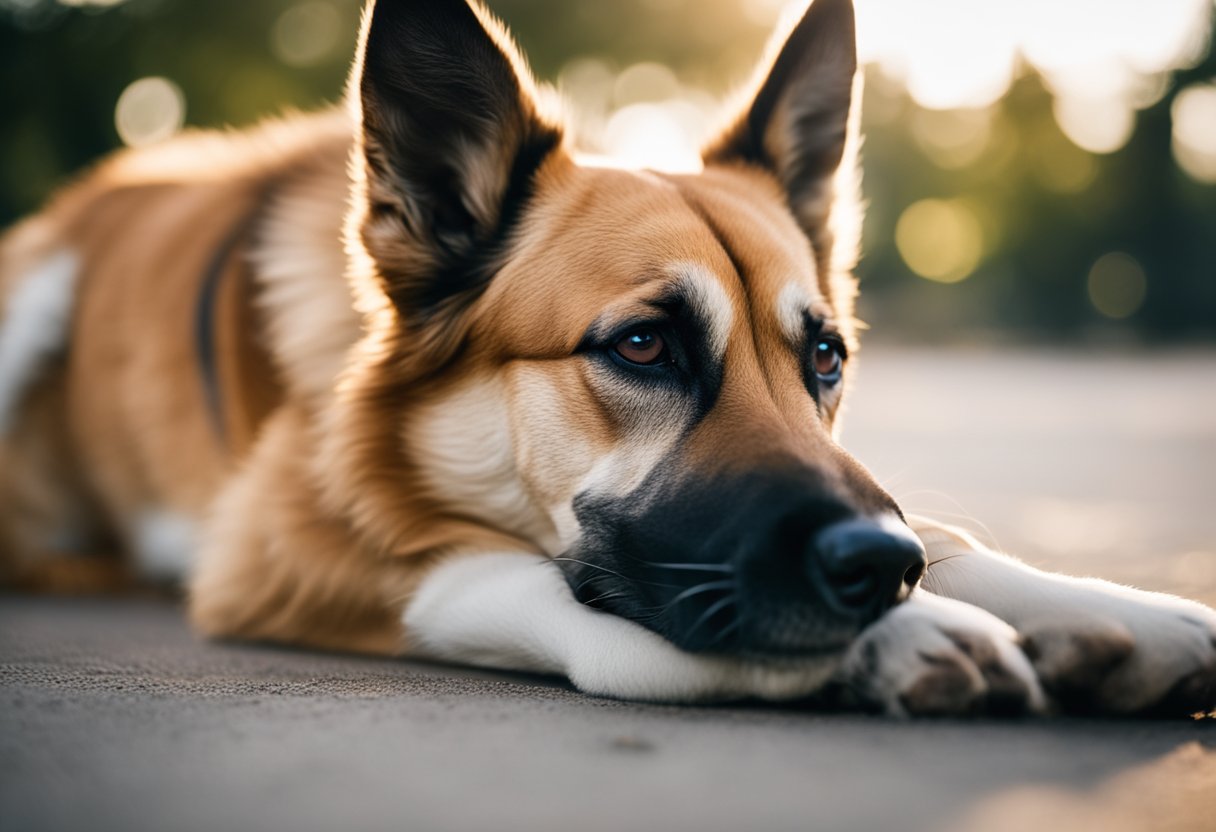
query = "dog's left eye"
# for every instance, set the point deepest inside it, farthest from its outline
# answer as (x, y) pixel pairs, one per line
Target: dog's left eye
(644, 346)
(828, 360)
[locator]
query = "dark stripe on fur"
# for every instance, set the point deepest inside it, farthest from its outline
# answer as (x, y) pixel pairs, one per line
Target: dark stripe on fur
(205, 315)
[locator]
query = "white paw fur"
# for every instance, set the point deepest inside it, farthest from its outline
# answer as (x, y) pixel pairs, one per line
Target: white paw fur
(935, 656)
(1098, 647)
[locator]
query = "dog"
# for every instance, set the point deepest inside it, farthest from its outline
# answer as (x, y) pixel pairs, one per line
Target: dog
(411, 377)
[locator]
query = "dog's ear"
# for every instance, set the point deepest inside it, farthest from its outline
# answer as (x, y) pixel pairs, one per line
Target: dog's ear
(797, 125)
(451, 136)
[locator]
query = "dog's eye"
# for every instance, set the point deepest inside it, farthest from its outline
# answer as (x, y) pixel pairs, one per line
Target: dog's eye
(642, 346)
(828, 360)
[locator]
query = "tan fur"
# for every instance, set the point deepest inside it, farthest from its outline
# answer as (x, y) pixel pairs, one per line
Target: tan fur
(323, 498)
(146, 227)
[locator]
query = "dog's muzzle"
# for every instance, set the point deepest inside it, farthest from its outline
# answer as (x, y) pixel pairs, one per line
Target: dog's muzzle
(769, 565)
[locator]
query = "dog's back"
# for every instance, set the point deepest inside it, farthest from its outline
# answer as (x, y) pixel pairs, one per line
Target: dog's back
(134, 361)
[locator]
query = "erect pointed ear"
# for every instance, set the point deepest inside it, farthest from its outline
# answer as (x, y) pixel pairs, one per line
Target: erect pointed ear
(451, 138)
(797, 126)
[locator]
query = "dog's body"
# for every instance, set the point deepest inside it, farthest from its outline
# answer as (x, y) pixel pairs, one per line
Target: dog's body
(413, 380)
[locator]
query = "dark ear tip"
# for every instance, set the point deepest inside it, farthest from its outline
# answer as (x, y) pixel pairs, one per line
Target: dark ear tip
(838, 14)
(397, 13)
(830, 23)
(406, 6)
(838, 7)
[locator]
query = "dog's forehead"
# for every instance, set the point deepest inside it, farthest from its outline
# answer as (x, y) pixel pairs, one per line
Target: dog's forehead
(770, 254)
(749, 260)
(604, 241)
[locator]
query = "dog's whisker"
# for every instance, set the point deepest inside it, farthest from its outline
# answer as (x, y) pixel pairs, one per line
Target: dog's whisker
(613, 572)
(709, 613)
(607, 596)
(724, 632)
(934, 563)
(698, 589)
(650, 613)
(584, 583)
(961, 515)
(699, 567)
(709, 567)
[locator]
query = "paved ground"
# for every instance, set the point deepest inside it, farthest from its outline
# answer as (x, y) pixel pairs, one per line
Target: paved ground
(112, 717)
(1096, 464)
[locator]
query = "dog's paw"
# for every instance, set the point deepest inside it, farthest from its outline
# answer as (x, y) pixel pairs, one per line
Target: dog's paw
(932, 656)
(1113, 650)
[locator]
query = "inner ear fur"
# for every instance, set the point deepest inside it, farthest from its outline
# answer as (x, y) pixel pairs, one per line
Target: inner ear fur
(451, 136)
(800, 125)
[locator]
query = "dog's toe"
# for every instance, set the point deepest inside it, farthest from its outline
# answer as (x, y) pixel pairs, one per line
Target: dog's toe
(934, 657)
(1194, 694)
(1072, 662)
(1138, 654)
(946, 685)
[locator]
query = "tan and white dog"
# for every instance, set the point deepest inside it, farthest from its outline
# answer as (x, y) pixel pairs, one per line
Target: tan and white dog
(410, 378)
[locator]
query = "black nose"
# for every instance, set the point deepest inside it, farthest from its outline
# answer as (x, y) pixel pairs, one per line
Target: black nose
(864, 567)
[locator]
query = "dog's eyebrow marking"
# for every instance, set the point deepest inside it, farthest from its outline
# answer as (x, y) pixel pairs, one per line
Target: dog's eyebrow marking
(793, 304)
(709, 302)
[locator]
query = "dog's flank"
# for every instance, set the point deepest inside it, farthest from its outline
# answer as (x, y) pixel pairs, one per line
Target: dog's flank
(464, 396)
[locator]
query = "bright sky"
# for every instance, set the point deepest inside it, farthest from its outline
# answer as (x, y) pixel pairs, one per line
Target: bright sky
(1102, 59)
(960, 53)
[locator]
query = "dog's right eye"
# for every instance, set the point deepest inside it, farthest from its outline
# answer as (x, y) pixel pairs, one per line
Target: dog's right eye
(643, 346)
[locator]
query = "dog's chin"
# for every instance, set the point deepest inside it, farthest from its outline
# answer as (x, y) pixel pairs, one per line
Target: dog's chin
(759, 642)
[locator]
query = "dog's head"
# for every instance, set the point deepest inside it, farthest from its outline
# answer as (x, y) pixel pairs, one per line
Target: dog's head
(638, 373)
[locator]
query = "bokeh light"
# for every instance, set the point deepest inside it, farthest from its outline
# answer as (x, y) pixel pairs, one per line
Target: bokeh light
(928, 45)
(148, 111)
(1117, 285)
(1102, 60)
(657, 136)
(642, 116)
(953, 138)
(940, 239)
(306, 34)
(1065, 168)
(645, 83)
(1096, 124)
(1194, 131)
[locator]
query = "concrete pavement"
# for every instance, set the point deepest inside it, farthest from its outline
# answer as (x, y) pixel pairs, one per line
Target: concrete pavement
(113, 717)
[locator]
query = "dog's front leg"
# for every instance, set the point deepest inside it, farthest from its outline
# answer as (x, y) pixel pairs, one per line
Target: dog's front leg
(1097, 646)
(515, 611)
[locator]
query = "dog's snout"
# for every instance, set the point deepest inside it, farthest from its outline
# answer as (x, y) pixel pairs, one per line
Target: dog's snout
(865, 567)
(774, 564)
